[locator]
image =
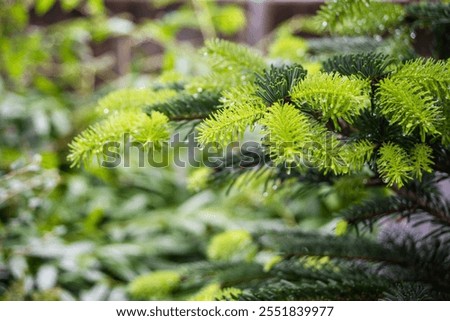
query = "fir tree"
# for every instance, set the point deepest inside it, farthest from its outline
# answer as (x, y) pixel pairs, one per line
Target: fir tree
(367, 121)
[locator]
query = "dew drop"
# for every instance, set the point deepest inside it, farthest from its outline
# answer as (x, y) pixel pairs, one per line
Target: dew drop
(265, 194)
(275, 187)
(106, 111)
(412, 35)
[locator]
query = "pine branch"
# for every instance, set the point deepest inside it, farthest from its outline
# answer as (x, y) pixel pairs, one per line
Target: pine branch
(142, 128)
(432, 75)
(333, 96)
(276, 83)
(227, 57)
(393, 165)
(407, 104)
(360, 17)
(185, 106)
(241, 109)
(289, 132)
(132, 100)
(364, 65)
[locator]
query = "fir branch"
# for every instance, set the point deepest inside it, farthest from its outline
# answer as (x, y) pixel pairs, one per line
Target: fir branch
(289, 132)
(333, 96)
(132, 99)
(359, 17)
(393, 165)
(421, 160)
(142, 128)
(276, 83)
(241, 109)
(227, 57)
(373, 210)
(432, 75)
(407, 104)
(300, 244)
(185, 106)
(357, 154)
(428, 14)
(365, 65)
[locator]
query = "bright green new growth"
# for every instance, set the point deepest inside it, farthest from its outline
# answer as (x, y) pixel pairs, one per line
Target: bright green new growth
(421, 160)
(213, 291)
(432, 75)
(241, 109)
(356, 154)
(359, 17)
(332, 96)
(141, 128)
(393, 165)
(289, 133)
(231, 246)
(228, 57)
(155, 285)
(132, 99)
(407, 104)
(124, 111)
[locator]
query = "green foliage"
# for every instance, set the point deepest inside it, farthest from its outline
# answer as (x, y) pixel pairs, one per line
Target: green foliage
(231, 245)
(422, 160)
(289, 132)
(332, 96)
(276, 83)
(228, 57)
(365, 65)
(407, 104)
(369, 140)
(358, 17)
(143, 129)
(393, 165)
(432, 75)
(156, 285)
(241, 109)
(132, 99)
(186, 106)
(80, 234)
(366, 133)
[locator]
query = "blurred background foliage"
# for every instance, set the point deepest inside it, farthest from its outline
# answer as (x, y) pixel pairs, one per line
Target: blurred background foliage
(95, 233)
